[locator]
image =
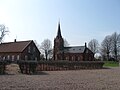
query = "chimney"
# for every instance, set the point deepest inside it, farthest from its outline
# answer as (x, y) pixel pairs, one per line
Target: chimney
(85, 44)
(15, 40)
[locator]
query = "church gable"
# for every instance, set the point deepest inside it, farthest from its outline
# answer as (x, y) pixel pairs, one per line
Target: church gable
(87, 50)
(75, 53)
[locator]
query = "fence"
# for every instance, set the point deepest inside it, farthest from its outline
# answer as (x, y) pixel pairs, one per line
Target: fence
(68, 65)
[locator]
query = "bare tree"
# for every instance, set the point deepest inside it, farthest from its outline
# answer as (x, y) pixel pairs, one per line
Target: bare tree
(3, 31)
(42, 57)
(50, 55)
(106, 46)
(46, 46)
(66, 44)
(115, 44)
(93, 45)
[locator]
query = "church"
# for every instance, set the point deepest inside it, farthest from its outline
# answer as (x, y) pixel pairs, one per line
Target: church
(72, 53)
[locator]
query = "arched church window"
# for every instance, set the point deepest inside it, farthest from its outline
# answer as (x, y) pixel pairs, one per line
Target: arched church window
(67, 58)
(73, 58)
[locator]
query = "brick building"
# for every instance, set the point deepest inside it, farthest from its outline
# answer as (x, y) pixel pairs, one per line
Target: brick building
(72, 53)
(19, 50)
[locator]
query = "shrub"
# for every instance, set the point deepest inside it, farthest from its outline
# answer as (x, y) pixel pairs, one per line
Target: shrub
(27, 67)
(2, 67)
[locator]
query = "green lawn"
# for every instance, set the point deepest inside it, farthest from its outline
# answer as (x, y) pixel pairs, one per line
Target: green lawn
(111, 64)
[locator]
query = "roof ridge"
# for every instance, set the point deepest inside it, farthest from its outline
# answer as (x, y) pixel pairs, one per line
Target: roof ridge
(27, 45)
(75, 46)
(16, 42)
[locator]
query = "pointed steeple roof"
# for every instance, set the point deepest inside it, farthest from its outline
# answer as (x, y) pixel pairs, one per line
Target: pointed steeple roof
(59, 31)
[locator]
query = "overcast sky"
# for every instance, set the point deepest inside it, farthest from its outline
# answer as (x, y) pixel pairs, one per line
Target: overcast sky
(81, 20)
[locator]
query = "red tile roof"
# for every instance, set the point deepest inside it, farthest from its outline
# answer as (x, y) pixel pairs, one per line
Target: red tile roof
(14, 46)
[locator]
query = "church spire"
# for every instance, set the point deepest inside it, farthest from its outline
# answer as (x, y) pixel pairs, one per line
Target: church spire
(59, 31)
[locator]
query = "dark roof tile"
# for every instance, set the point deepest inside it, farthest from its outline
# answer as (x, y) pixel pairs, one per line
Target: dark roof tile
(74, 49)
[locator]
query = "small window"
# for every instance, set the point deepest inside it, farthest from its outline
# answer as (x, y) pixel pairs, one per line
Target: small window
(8, 57)
(72, 57)
(18, 57)
(79, 58)
(26, 57)
(13, 57)
(4, 58)
(67, 58)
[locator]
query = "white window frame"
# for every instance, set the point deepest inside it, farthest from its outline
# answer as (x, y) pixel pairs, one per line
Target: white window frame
(73, 58)
(18, 57)
(13, 57)
(4, 58)
(26, 57)
(8, 57)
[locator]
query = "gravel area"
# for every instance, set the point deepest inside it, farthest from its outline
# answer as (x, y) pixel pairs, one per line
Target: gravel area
(99, 79)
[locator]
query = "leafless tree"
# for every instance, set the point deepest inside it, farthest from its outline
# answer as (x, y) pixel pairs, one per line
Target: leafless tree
(42, 57)
(46, 46)
(115, 44)
(3, 32)
(66, 44)
(50, 55)
(93, 45)
(106, 46)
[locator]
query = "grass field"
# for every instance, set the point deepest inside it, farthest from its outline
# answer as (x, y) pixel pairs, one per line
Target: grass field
(111, 64)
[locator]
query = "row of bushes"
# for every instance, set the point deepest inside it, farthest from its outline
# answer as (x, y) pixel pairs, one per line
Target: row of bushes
(68, 65)
(26, 67)
(29, 67)
(2, 66)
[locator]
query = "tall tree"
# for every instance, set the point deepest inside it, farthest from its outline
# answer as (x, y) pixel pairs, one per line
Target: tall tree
(93, 45)
(106, 46)
(115, 44)
(3, 32)
(46, 46)
(50, 55)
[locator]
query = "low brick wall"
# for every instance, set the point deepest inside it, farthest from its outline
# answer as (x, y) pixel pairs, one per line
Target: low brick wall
(68, 65)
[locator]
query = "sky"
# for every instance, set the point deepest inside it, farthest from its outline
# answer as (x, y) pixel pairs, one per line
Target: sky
(80, 20)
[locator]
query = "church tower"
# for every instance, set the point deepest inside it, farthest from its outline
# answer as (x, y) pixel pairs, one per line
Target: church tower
(58, 44)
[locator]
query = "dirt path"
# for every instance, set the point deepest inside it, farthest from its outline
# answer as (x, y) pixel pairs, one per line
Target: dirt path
(99, 79)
